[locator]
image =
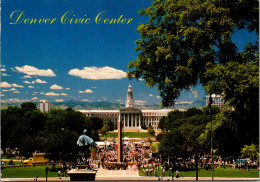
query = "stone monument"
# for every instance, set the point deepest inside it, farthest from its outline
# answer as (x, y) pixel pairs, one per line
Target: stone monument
(82, 172)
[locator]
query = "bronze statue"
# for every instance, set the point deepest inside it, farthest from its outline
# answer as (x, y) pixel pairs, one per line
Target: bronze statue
(85, 142)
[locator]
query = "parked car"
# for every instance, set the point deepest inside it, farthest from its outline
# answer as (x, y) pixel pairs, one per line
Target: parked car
(28, 161)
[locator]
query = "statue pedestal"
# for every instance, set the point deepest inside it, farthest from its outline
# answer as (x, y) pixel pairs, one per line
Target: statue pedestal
(82, 175)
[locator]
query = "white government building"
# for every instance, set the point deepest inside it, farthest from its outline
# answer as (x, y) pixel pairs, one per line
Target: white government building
(131, 117)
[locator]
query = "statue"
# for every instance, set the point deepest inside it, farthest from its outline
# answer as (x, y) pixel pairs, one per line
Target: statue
(85, 142)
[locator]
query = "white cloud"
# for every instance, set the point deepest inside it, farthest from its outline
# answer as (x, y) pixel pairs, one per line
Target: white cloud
(30, 70)
(27, 76)
(85, 100)
(63, 94)
(158, 97)
(3, 74)
(27, 82)
(3, 69)
(67, 88)
(151, 95)
(140, 102)
(52, 94)
(1, 95)
(5, 90)
(93, 87)
(12, 89)
(119, 100)
(40, 81)
(42, 93)
(56, 87)
(59, 100)
(30, 86)
(35, 98)
(16, 92)
(5, 85)
(15, 85)
(95, 73)
(86, 91)
(14, 100)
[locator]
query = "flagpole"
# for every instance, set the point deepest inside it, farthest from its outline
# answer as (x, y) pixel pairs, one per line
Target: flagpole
(211, 137)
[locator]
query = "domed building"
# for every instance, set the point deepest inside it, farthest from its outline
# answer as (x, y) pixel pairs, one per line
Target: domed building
(132, 118)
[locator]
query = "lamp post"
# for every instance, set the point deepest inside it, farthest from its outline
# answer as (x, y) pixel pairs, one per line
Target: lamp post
(211, 140)
(62, 130)
(168, 148)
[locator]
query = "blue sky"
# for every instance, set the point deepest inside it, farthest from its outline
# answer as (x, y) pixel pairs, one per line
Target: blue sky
(84, 62)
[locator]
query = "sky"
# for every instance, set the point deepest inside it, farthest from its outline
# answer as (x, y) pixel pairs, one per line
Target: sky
(62, 60)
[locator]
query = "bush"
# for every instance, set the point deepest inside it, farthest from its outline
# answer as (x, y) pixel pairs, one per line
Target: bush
(104, 129)
(159, 137)
(151, 131)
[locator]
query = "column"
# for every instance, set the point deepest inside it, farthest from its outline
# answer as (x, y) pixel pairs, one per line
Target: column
(140, 120)
(127, 120)
(135, 120)
(124, 120)
(132, 120)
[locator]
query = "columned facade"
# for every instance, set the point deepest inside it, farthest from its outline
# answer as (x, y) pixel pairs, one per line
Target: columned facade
(131, 118)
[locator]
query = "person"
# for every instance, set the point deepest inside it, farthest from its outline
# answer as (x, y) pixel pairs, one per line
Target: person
(35, 179)
(177, 174)
(59, 174)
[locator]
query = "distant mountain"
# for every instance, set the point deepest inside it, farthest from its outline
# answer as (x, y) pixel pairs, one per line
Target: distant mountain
(104, 105)
(186, 105)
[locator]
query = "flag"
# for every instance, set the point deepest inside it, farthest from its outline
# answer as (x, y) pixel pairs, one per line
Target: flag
(210, 101)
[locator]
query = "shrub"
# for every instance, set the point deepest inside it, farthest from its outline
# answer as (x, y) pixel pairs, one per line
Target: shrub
(104, 129)
(151, 131)
(159, 137)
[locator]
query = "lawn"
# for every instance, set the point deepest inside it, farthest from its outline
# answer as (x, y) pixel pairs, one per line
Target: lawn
(27, 172)
(218, 172)
(128, 134)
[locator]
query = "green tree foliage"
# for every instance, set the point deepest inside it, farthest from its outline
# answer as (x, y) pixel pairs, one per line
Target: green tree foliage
(185, 41)
(63, 128)
(226, 139)
(174, 144)
(250, 151)
(104, 129)
(190, 125)
(28, 106)
(19, 124)
(161, 123)
(159, 137)
(150, 130)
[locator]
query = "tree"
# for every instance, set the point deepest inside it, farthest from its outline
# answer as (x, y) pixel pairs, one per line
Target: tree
(173, 144)
(161, 123)
(150, 130)
(63, 127)
(224, 132)
(185, 40)
(28, 106)
(250, 151)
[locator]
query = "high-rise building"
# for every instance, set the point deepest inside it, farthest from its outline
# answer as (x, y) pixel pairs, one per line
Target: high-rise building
(217, 100)
(44, 105)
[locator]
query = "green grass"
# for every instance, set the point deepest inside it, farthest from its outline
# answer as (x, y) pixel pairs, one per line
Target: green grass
(218, 172)
(128, 134)
(27, 172)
